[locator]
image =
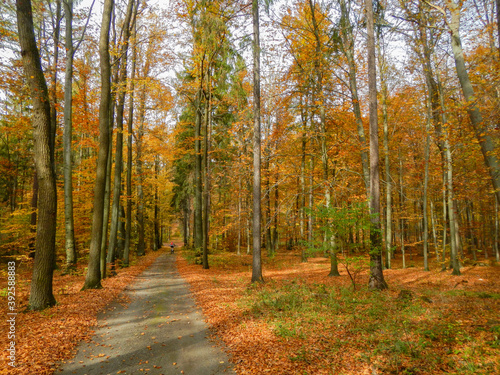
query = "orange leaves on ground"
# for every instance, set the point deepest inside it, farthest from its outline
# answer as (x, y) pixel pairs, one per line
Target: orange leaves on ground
(434, 331)
(49, 336)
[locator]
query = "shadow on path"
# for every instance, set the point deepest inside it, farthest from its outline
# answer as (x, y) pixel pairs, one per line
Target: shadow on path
(160, 332)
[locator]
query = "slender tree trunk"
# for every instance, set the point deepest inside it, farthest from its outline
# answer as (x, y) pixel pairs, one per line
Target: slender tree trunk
(238, 248)
(141, 245)
(388, 180)
(310, 236)
(376, 270)
(426, 184)
(451, 209)
(206, 186)
(496, 247)
(348, 50)
(434, 235)
(67, 139)
(303, 196)
(445, 219)
(33, 216)
(93, 278)
(130, 123)
(121, 92)
(107, 199)
(41, 295)
(256, 263)
(53, 88)
(198, 189)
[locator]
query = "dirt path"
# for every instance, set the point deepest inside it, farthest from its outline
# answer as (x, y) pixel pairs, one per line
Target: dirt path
(160, 332)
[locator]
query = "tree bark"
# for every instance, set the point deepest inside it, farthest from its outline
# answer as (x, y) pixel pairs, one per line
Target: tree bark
(69, 225)
(426, 184)
(93, 278)
(41, 294)
(256, 257)
(121, 91)
(130, 123)
(348, 50)
(198, 188)
(484, 138)
(376, 270)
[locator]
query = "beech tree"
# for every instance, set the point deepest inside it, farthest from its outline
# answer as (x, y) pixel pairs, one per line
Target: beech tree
(41, 295)
(376, 270)
(93, 277)
(256, 254)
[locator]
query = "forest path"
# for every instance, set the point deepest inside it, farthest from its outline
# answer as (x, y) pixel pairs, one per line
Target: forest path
(161, 331)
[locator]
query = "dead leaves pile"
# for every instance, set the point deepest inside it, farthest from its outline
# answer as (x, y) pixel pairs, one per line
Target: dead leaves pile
(47, 337)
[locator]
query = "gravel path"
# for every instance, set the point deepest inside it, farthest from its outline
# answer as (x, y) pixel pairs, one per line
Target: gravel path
(160, 332)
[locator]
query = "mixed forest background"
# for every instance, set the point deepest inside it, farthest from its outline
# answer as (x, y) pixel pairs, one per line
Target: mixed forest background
(175, 142)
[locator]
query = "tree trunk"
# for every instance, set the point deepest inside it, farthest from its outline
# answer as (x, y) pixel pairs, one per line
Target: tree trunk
(256, 262)
(107, 199)
(198, 189)
(426, 184)
(376, 270)
(348, 50)
(53, 78)
(67, 139)
(41, 295)
(485, 140)
(388, 181)
(121, 92)
(206, 186)
(93, 278)
(130, 123)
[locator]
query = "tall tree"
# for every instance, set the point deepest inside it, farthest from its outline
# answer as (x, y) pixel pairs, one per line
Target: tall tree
(41, 295)
(376, 272)
(93, 278)
(257, 261)
(69, 224)
(480, 127)
(121, 91)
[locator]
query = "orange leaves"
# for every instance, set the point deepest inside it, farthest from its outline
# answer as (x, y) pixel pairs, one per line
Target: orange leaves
(63, 326)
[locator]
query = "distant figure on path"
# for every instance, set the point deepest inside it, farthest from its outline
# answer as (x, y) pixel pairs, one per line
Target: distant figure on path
(172, 245)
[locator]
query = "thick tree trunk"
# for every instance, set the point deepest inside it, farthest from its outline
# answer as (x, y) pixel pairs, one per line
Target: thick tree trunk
(484, 138)
(67, 139)
(93, 278)
(41, 295)
(376, 270)
(256, 262)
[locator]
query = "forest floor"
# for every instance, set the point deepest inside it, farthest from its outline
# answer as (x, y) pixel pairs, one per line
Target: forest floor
(44, 338)
(300, 321)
